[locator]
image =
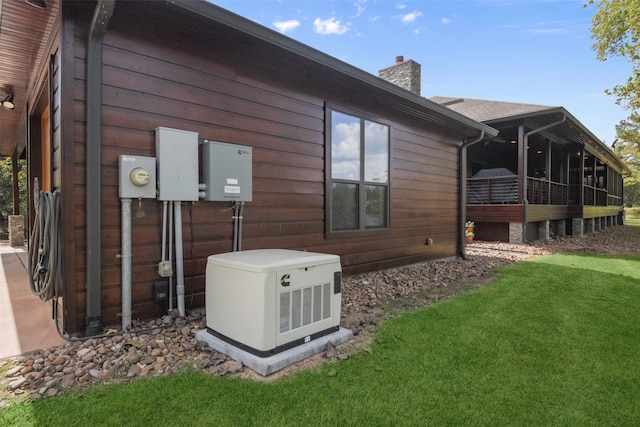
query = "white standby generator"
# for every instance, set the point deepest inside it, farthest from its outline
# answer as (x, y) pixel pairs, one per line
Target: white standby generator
(266, 301)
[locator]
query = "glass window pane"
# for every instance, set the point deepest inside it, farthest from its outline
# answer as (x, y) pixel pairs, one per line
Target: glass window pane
(376, 152)
(344, 206)
(345, 146)
(375, 206)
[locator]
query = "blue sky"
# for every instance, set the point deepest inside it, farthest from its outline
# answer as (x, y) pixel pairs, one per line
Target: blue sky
(536, 51)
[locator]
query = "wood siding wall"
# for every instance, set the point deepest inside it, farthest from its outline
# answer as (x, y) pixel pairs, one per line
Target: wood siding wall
(228, 88)
(495, 213)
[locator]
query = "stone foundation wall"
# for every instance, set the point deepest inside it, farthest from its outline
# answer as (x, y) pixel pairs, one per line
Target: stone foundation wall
(543, 230)
(577, 227)
(515, 232)
(16, 230)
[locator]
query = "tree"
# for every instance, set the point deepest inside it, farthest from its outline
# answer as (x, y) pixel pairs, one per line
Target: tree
(627, 148)
(616, 31)
(629, 130)
(6, 188)
(629, 153)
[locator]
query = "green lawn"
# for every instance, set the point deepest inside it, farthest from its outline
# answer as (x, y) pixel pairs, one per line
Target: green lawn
(554, 341)
(633, 221)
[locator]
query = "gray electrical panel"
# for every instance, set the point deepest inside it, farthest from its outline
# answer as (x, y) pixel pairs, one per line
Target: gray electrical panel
(137, 177)
(227, 171)
(177, 153)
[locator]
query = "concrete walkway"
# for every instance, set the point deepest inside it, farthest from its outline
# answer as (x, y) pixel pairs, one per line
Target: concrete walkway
(25, 322)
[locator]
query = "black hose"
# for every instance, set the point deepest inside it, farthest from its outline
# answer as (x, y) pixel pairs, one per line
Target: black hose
(44, 262)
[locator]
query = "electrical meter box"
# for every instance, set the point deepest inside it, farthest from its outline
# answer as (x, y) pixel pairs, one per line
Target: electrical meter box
(227, 171)
(265, 301)
(137, 177)
(177, 154)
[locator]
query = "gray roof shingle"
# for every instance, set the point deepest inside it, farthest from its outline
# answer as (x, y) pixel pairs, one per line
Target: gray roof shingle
(483, 110)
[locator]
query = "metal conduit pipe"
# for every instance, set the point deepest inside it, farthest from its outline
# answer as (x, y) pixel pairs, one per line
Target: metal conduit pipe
(462, 200)
(236, 214)
(126, 263)
(164, 230)
(101, 17)
(177, 207)
(525, 196)
(170, 247)
(240, 214)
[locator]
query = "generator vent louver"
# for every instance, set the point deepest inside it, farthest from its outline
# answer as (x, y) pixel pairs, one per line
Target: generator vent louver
(303, 307)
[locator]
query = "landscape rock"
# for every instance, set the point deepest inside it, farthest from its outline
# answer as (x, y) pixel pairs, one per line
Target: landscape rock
(164, 345)
(17, 383)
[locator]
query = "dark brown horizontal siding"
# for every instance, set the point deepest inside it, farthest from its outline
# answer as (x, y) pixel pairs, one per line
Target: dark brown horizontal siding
(495, 213)
(158, 73)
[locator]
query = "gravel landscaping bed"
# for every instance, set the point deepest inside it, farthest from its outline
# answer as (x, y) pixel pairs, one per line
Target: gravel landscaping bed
(164, 345)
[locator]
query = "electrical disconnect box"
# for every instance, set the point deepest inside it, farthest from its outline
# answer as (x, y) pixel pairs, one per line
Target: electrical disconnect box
(177, 153)
(227, 171)
(137, 177)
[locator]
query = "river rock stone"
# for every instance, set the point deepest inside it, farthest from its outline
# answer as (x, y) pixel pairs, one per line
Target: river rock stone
(136, 353)
(17, 383)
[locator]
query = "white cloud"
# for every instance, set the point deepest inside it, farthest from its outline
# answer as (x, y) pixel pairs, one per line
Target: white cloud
(329, 26)
(550, 31)
(376, 152)
(345, 151)
(445, 21)
(286, 26)
(401, 6)
(360, 7)
(410, 17)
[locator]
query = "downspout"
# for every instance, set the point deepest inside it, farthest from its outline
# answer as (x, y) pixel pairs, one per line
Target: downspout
(525, 162)
(462, 200)
(93, 163)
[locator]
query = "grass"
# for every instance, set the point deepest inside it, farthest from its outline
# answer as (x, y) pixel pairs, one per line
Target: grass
(554, 341)
(633, 212)
(633, 221)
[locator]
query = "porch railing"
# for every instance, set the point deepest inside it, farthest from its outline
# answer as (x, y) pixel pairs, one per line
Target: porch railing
(593, 196)
(544, 192)
(614, 200)
(503, 189)
(498, 189)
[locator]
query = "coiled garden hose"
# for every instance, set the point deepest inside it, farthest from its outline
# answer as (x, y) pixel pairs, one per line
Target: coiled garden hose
(45, 275)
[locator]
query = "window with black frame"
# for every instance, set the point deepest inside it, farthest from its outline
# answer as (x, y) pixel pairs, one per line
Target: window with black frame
(359, 173)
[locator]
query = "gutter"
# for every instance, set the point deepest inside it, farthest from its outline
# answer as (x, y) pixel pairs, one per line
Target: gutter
(93, 164)
(525, 196)
(462, 200)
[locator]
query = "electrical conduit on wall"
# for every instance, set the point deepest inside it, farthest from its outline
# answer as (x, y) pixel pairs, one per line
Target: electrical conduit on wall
(179, 257)
(126, 263)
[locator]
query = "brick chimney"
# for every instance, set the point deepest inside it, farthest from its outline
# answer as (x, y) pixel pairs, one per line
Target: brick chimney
(405, 74)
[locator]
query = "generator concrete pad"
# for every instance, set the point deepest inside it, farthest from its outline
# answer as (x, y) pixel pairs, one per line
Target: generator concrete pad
(268, 365)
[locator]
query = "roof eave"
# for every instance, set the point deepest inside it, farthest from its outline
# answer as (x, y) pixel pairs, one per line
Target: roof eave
(525, 116)
(239, 23)
(593, 141)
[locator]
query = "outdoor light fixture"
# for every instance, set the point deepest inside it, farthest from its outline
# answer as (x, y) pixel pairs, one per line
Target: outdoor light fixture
(37, 3)
(8, 103)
